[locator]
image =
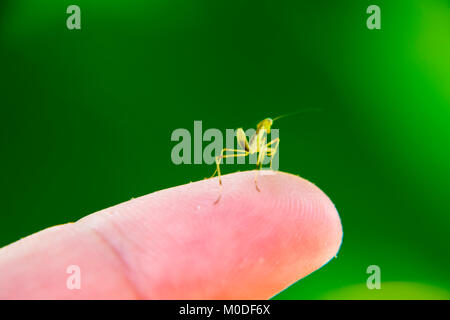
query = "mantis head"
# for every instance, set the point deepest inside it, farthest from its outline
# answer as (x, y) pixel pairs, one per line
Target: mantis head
(265, 125)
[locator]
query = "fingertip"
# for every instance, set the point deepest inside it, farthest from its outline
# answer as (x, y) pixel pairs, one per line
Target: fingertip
(177, 244)
(294, 227)
(181, 244)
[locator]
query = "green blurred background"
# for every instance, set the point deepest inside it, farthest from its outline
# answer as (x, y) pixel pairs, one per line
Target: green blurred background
(87, 116)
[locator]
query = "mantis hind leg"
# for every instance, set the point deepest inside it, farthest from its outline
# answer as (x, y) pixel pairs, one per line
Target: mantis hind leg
(258, 167)
(272, 151)
(222, 156)
(219, 159)
(267, 151)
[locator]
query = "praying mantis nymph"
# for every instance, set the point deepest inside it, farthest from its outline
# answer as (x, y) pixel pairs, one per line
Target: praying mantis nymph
(257, 144)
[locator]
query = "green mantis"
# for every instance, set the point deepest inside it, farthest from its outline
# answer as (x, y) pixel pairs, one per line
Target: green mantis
(258, 144)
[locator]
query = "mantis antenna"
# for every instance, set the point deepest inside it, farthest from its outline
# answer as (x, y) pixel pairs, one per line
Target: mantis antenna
(296, 112)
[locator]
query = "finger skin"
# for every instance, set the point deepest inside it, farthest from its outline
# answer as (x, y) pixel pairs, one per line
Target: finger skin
(178, 244)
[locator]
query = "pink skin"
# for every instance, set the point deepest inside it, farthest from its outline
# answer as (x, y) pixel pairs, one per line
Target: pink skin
(177, 244)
